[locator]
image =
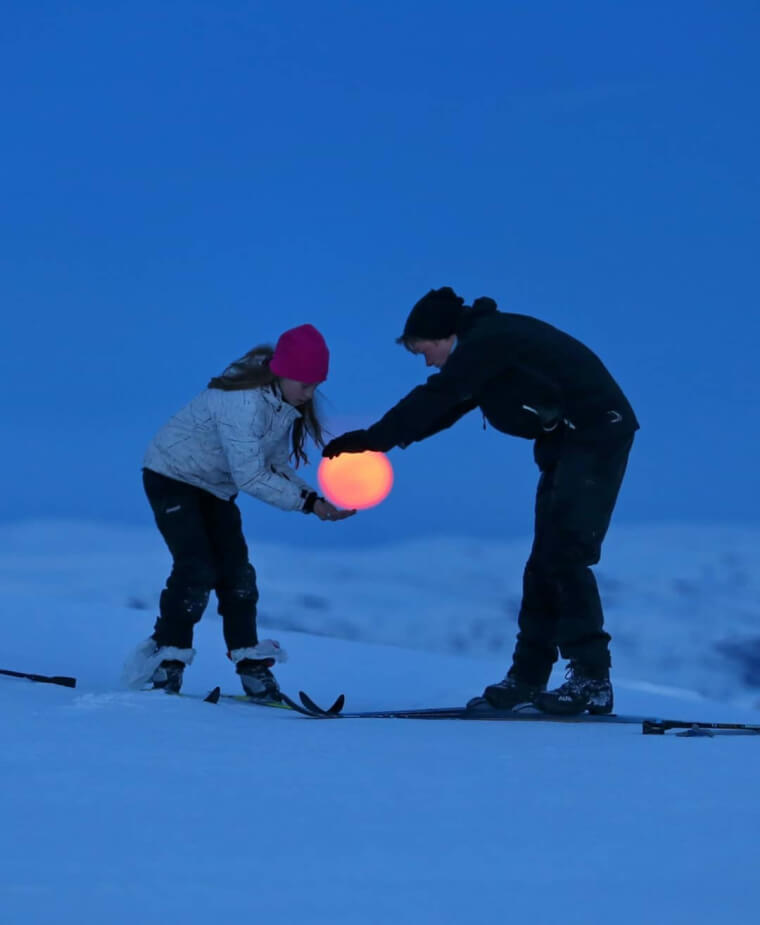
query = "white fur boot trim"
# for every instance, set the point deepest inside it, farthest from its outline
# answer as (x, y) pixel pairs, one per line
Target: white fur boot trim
(141, 664)
(267, 648)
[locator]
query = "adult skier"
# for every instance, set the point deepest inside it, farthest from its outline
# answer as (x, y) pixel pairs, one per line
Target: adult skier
(530, 380)
(236, 435)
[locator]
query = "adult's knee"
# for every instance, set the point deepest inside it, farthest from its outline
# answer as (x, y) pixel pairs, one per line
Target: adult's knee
(560, 558)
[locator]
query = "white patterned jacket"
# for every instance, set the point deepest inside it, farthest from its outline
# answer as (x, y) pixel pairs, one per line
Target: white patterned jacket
(226, 442)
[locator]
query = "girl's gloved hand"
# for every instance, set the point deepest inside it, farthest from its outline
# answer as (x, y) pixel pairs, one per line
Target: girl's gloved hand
(326, 511)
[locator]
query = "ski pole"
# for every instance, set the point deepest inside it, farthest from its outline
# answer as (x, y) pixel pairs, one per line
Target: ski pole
(42, 678)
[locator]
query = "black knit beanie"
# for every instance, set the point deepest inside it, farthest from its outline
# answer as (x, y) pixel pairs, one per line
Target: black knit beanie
(435, 317)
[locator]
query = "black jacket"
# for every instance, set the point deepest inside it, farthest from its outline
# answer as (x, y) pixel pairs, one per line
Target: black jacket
(526, 376)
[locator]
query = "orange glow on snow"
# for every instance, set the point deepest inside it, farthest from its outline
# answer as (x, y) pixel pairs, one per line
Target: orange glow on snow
(356, 480)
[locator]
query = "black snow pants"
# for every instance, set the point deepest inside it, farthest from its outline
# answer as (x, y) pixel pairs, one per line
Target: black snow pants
(561, 609)
(205, 537)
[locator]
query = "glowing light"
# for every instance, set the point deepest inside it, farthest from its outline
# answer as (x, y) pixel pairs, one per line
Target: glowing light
(356, 480)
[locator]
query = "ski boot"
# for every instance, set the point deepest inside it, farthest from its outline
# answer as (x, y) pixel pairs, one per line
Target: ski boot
(253, 666)
(584, 690)
(153, 667)
(258, 681)
(168, 676)
(506, 694)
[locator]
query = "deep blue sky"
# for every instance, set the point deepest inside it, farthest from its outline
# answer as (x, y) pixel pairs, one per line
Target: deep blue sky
(183, 180)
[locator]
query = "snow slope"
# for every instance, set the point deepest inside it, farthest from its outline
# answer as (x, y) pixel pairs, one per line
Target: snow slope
(138, 807)
(682, 603)
(129, 807)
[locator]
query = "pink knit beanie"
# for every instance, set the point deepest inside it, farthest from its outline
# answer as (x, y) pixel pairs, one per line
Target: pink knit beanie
(301, 353)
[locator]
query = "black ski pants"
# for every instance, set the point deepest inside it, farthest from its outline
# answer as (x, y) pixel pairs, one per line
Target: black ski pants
(205, 537)
(561, 609)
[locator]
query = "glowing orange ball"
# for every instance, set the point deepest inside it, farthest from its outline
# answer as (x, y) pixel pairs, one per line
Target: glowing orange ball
(356, 480)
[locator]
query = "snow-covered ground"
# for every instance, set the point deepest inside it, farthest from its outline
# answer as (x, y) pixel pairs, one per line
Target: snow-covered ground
(682, 603)
(137, 807)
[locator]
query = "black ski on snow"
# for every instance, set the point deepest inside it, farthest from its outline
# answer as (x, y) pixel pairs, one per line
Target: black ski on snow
(661, 726)
(284, 703)
(334, 710)
(462, 713)
(649, 726)
(42, 678)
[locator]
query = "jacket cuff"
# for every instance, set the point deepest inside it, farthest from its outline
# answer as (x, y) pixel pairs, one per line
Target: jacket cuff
(308, 505)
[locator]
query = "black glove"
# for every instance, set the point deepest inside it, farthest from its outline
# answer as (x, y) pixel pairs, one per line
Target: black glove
(355, 441)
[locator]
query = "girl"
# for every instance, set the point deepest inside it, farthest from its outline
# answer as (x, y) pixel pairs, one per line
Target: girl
(237, 435)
